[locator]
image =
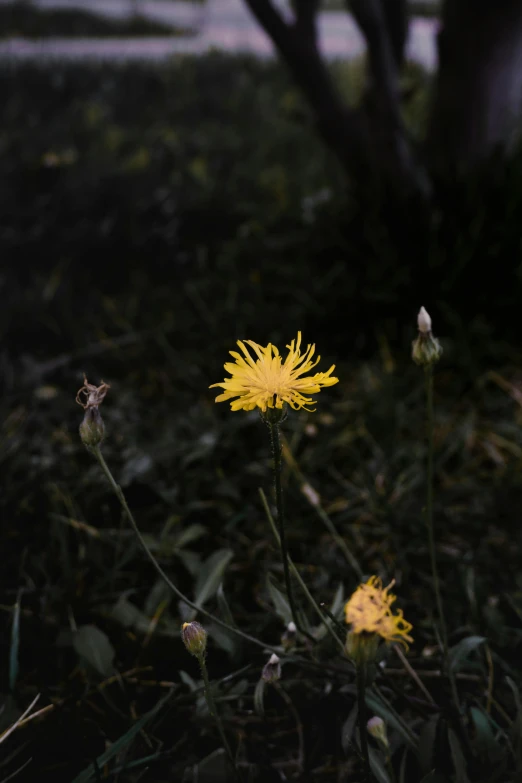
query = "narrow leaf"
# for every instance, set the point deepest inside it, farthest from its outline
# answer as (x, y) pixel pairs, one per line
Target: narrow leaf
(15, 644)
(94, 648)
(460, 653)
(279, 601)
(459, 760)
(211, 575)
(90, 772)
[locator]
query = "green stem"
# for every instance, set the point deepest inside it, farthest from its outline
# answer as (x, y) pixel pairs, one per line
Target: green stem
(276, 453)
(429, 509)
(360, 673)
(431, 533)
(215, 714)
(121, 497)
(297, 575)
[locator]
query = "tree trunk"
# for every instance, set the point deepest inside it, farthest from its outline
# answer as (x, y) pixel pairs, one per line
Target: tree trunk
(478, 97)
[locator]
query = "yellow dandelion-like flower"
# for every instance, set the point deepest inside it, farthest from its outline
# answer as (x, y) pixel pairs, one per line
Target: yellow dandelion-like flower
(369, 610)
(268, 381)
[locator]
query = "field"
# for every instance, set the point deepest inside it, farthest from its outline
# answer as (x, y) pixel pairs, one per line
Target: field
(149, 219)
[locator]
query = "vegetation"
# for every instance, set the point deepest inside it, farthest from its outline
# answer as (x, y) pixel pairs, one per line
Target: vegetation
(24, 20)
(149, 219)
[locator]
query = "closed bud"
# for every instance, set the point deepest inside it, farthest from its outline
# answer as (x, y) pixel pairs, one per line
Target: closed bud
(424, 321)
(92, 428)
(194, 638)
(377, 728)
(426, 349)
(272, 670)
(289, 637)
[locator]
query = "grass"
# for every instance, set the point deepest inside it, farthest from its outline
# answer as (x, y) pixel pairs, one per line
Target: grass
(22, 20)
(140, 246)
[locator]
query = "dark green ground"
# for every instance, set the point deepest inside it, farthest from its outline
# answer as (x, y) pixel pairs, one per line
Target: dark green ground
(20, 20)
(148, 219)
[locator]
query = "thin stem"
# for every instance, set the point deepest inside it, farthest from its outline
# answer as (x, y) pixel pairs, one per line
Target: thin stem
(323, 516)
(121, 497)
(276, 453)
(429, 509)
(360, 673)
(431, 533)
(297, 575)
(215, 714)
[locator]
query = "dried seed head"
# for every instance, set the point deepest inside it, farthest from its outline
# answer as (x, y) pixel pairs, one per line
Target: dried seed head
(92, 395)
(92, 428)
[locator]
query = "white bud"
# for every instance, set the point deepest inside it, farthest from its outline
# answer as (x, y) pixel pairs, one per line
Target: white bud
(274, 660)
(424, 321)
(291, 627)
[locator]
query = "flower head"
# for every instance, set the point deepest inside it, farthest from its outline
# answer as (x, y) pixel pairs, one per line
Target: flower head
(369, 611)
(268, 381)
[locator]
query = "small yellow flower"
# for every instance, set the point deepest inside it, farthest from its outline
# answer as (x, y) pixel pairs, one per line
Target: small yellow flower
(369, 611)
(268, 382)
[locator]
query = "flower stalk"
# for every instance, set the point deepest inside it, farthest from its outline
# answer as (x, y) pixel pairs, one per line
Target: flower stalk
(275, 439)
(194, 638)
(360, 675)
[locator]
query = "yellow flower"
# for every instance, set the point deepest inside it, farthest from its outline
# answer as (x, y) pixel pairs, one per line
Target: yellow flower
(369, 610)
(268, 382)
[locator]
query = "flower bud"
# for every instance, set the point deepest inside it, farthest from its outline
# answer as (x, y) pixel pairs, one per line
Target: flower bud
(377, 728)
(289, 637)
(272, 670)
(424, 321)
(92, 428)
(194, 638)
(426, 349)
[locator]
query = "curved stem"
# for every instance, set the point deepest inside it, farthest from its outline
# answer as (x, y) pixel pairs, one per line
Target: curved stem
(121, 497)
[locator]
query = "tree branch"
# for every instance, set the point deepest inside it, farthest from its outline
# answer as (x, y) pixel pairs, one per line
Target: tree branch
(384, 97)
(306, 12)
(342, 129)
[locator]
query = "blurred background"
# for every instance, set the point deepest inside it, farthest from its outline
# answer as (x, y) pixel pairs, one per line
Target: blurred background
(179, 174)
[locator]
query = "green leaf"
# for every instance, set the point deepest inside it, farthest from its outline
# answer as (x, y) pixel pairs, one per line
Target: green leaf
(234, 641)
(90, 772)
(190, 534)
(377, 766)
(280, 601)
(211, 575)
(348, 729)
(15, 644)
(259, 698)
(459, 760)
(460, 653)
(485, 740)
(94, 648)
